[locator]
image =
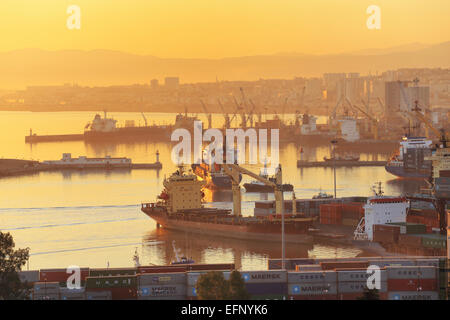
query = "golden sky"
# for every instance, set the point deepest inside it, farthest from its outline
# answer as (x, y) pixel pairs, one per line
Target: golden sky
(221, 28)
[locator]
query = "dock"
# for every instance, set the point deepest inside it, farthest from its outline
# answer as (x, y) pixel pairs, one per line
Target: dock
(33, 138)
(331, 164)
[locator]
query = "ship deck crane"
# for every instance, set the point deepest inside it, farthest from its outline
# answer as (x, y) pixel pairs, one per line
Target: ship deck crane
(233, 171)
(368, 116)
(428, 125)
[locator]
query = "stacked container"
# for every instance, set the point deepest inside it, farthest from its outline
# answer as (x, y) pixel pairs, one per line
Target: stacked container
(415, 279)
(46, 291)
(61, 275)
(72, 294)
(30, 277)
(121, 287)
(162, 286)
(386, 233)
(331, 213)
(353, 282)
(352, 213)
(266, 285)
(312, 285)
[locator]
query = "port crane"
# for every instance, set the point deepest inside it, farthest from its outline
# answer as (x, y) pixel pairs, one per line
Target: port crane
(145, 119)
(368, 116)
(233, 171)
(208, 114)
(227, 123)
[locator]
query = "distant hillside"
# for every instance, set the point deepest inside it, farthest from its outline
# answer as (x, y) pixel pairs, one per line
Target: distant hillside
(103, 67)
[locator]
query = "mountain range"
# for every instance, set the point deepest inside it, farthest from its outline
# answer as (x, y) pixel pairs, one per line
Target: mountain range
(25, 67)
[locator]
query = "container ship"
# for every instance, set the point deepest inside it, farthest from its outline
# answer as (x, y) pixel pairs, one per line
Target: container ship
(180, 208)
(410, 160)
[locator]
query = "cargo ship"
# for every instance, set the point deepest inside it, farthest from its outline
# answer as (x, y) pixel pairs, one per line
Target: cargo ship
(180, 208)
(106, 129)
(410, 160)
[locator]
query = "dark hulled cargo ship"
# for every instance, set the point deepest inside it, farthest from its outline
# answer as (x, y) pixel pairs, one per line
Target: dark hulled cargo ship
(180, 208)
(410, 160)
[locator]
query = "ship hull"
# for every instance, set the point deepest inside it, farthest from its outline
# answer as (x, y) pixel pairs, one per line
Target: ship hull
(402, 173)
(141, 133)
(259, 232)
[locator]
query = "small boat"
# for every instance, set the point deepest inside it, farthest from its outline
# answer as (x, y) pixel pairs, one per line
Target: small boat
(183, 259)
(322, 195)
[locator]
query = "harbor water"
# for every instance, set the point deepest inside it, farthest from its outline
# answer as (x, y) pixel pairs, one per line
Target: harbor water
(93, 218)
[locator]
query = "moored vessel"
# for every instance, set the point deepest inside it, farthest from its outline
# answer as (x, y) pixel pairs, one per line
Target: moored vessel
(180, 208)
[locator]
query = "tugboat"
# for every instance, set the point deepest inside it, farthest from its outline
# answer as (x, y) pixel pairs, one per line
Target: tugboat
(181, 209)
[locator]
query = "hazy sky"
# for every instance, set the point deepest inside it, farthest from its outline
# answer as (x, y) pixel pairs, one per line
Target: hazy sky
(221, 28)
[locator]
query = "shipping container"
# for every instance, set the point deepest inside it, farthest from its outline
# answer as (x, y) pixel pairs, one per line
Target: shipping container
(410, 240)
(412, 284)
(271, 276)
(344, 264)
(409, 295)
(210, 267)
(117, 293)
(183, 297)
(358, 286)
(110, 272)
(414, 272)
(161, 269)
(434, 241)
(61, 275)
(312, 277)
(29, 276)
(161, 278)
(72, 294)
(46, 287)
(45, 296)
(312, 267)
(392, 262)
(355, 275)
(167, 290)
(98, 295)
(129, 281)
(313, 297)
(267, 288)
(316, 288)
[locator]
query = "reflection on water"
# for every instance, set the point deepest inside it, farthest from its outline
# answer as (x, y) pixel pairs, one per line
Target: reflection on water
(91, 218)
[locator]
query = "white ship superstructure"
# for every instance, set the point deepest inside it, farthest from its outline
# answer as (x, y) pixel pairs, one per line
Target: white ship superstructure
(349, 129)
(381, 209)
